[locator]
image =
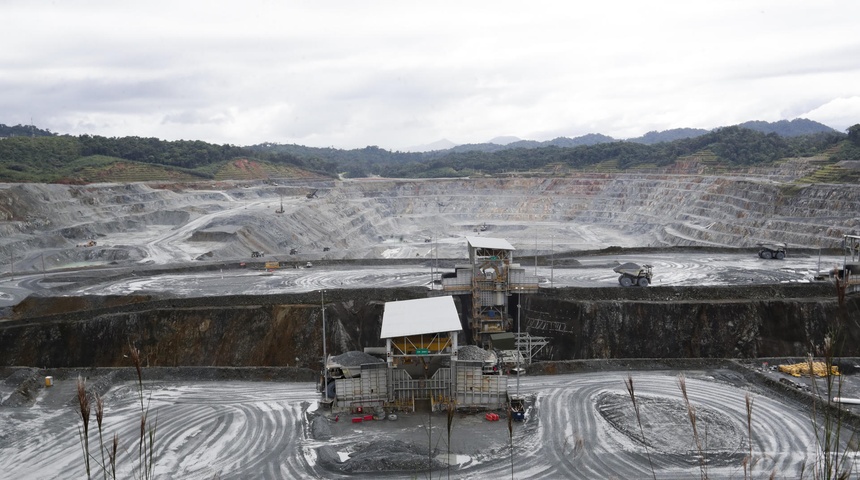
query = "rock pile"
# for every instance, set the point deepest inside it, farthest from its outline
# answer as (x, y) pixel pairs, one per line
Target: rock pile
(353, 358)
(473, 352)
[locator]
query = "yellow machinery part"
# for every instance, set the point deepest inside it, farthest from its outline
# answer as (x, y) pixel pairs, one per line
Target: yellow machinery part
(819, 369)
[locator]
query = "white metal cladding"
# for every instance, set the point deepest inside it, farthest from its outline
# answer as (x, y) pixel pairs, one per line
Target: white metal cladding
(474, 389)
(462, 281)
(492, 243)
(518, 279)
(405, 389)
(370, 387)
(374, 381)
(420, 316)
(347, 389)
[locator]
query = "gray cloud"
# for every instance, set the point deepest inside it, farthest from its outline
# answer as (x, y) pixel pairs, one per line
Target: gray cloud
(393, 74)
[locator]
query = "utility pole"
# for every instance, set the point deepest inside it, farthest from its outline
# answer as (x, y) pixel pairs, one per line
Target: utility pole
(325, 356)
(818, 272)
(432, 265)
(517, 344)
(436, 255)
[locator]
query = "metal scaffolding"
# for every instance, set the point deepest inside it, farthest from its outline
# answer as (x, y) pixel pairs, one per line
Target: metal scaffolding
(492, 278)
(529, 345)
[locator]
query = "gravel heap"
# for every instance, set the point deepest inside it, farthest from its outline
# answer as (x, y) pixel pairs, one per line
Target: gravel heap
(354, 358)
(473, 352)
(382, 456)
(320, 428)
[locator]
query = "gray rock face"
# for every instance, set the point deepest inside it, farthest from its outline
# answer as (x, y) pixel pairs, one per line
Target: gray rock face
(395, 218)
(657, 322)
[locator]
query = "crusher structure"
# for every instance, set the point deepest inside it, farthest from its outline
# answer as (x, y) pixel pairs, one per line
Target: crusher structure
(421, 369)
(490, 278)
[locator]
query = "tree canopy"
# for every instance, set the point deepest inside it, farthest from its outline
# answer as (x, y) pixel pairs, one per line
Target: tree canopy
(42, 158)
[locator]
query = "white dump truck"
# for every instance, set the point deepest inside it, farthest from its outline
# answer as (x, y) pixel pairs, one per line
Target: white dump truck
(768, 251)
(633, 274)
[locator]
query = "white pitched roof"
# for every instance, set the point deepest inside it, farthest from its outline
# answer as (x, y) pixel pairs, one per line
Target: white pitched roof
(493, 243)
(420, 316)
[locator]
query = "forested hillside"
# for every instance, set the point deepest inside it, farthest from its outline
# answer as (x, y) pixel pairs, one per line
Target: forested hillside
(730, 147)
(83, 159)
(23, 131)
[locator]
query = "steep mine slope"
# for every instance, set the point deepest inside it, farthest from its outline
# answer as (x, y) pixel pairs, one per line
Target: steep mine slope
(286, 329)
(41, 225)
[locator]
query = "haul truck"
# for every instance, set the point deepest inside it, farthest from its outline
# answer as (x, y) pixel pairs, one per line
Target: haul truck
(633, 274)
(771, 250)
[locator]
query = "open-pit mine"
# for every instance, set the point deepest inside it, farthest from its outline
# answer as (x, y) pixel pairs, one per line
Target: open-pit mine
(233, 293)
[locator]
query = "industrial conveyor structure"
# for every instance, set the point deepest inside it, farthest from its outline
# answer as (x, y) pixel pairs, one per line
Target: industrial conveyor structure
(490, 278)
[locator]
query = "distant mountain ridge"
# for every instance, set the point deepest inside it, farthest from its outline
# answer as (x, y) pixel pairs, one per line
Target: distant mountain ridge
(788, 128)
(563, 142)
(653, 137)
(783, 128)
(86, 158)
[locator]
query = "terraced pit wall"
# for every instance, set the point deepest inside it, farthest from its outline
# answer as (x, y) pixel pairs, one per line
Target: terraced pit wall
(680, 207)
(286, 330)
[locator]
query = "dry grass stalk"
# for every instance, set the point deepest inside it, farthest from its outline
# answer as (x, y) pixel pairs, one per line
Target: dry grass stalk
(511, 437)
(84, 431)
(134, 354)
(450, 414)
(142, 435)
(146, 443)
(85, 411)
(832, 460)
(112, 455)
(100, 415)
(150, 463)
(100, 410)
(691, 414)
(629, 384)
(749, 460)
(146, 450)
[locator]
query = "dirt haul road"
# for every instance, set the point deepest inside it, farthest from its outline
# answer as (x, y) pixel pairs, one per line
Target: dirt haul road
(670, 269)
(579, 426)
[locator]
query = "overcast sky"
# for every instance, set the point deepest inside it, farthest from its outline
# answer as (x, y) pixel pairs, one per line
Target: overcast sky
(397, 74)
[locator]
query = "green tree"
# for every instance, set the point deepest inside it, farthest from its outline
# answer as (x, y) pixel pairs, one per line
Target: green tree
(854, 134)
